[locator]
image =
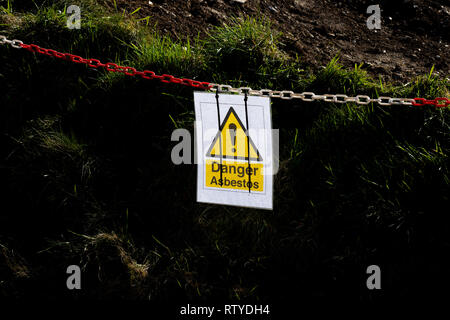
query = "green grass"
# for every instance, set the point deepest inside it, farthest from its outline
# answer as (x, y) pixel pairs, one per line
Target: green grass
(243, 42)
(86, 162)
(163, 55)
(8, 9)
(335, 78)
(246, 51)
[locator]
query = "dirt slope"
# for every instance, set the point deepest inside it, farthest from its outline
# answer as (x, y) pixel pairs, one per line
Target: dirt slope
(414, 34)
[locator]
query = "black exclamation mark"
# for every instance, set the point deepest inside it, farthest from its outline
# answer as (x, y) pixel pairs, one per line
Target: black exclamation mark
(232, 128)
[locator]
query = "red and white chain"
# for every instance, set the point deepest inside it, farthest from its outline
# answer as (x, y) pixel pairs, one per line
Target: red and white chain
(441, 102)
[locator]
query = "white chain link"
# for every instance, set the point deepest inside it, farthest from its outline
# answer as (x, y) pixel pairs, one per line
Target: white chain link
(311, 96)
(14, 43)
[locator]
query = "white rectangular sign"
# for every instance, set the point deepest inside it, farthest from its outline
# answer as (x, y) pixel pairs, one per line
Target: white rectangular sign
(234, 150)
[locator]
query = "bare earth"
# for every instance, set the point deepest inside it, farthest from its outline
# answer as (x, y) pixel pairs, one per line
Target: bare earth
(414, 35)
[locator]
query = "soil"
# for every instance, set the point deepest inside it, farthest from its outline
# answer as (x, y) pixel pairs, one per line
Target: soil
(414, 34)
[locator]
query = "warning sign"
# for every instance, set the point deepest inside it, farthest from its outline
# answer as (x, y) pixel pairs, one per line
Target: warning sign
(234, 150)
(233, 138)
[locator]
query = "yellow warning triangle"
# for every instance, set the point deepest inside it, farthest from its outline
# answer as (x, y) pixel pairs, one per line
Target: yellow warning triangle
(232, 140)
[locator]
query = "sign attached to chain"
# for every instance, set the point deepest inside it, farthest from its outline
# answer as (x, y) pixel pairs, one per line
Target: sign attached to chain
(234, 150)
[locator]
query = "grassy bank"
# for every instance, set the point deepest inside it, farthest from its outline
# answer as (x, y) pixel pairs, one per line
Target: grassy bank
(88, 180)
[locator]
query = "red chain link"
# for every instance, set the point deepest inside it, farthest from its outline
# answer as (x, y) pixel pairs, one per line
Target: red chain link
(438, 102)
(112, 67)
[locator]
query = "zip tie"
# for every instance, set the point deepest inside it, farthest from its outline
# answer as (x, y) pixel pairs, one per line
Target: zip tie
(248, 143)
(220, 136)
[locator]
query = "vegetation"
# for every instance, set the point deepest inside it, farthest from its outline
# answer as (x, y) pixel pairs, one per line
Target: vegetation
(87, 177)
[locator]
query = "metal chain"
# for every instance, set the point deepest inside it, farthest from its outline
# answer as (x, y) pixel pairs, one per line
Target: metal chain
(334, 98)
(285, 94)
(14, 43)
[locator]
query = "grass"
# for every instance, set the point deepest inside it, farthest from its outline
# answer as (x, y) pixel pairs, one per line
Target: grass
(86, 162)
(245, 42)
(162, 54)
(8, 9)
(247, 51)
(337, 79)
